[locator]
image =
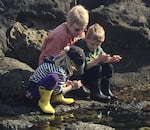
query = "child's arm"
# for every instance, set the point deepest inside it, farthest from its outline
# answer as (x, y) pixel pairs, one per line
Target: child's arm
(102, 58)
(114, 58)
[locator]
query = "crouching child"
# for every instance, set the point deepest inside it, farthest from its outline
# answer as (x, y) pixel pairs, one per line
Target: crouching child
(50, 81)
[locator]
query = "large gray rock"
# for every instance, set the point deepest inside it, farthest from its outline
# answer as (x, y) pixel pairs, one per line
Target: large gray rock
(3, 45)
(14, 77)
(34, 11)
(25, 43)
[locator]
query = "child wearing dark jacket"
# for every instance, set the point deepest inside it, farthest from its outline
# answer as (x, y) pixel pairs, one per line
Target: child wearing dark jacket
(99, 69)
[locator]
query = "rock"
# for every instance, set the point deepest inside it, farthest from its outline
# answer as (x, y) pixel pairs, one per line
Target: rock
(15, 124)
(14, 77)
(25, 44)
(86, 126)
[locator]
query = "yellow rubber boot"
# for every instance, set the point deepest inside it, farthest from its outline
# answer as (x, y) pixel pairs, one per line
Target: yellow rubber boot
(61, 99)
(44, 101)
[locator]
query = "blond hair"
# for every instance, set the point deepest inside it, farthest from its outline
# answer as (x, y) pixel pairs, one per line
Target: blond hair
(64, 60)
(78, 14)
(96, 32)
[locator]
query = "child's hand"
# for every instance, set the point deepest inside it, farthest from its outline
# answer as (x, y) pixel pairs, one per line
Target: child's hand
(76, 84)
(105, 58)
(69, 82)
(115, 58)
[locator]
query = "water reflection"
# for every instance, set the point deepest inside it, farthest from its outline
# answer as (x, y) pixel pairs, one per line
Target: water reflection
(116, 118)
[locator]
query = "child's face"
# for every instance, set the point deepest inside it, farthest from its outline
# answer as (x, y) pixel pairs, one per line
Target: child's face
(77, 29)
(92, 44)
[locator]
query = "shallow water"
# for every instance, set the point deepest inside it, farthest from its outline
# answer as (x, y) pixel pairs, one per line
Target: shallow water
(116, 118)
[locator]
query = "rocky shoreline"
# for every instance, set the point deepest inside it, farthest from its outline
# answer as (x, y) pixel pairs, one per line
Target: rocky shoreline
(23, 28)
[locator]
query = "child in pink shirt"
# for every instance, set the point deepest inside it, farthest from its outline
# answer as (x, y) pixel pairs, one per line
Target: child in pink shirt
(67, 33)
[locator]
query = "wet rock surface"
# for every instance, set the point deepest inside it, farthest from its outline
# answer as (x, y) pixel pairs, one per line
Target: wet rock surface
(87, 126)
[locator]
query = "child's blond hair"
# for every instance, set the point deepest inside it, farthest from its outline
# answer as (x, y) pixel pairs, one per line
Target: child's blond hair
(96, 32)
(78, 14)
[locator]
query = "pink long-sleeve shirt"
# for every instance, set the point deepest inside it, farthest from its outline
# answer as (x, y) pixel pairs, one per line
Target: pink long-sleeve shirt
(56, 41)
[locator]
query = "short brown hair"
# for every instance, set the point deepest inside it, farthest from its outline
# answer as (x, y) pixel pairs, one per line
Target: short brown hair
(96, 32)
(78, 14)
